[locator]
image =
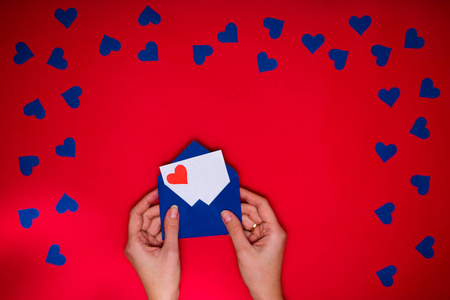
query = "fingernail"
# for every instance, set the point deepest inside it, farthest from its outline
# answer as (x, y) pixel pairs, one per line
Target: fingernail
(174, 212)
(226, 216)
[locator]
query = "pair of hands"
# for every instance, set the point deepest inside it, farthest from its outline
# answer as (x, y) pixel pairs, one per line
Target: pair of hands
(157, 262)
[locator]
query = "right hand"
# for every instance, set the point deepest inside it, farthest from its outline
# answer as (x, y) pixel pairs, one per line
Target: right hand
(259, 252)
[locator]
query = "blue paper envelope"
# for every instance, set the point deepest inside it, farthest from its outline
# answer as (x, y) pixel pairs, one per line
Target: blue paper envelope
(200, 219)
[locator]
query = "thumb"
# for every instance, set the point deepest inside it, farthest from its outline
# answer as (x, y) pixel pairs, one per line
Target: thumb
(235, 230)
(171, 226)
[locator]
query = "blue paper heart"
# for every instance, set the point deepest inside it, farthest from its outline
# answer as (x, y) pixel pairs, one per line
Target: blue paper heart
(389, 97)
(427, 90)
(360, 24)
(71, 96)
(201, 52)
(425, 247)
(339, 57)
(109, 44)
(27, 163)
(381, 53)
(34, 108)
(275, 27)
(66, 203)
(412, 40)
(384, 213)
(265, 63)
(386, 275)
(313, 43)
(422, 183)
(54, 256)
(419, 129)
(148, 16)
(26, 216)
(385, 152)
(150, 53)
(56, 59)
(67, 149)
(66, 17)
(229, 35)
(23, 53)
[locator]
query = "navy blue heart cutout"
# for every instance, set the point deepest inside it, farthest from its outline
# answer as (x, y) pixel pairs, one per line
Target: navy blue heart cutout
(201, 52)
(66, 17)
(427, 90)
(23, 53)
(109, 44)
(360, 24)
(313, 43)
(71, 96)
(425, 247)
(26, 216)
(150, 53)
(385, 275)
(27, 163)
(229, 35)
(34, 108)
(339, 57)
(385, 152)
(422, 183)
(419, 128)
(384, 213)
(148, 15)
(265, 63)
(275, 27)
(66, 203)
(54, 256)
(56, 59)
(389, 97)
(381, 53)
(413, 41)
(67, 149)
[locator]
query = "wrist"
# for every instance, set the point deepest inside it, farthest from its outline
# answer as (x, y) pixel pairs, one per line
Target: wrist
(162, 296)
(277, 296)
(271, 293)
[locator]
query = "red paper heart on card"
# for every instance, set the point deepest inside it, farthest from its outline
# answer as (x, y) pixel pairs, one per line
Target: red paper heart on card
(179, 176)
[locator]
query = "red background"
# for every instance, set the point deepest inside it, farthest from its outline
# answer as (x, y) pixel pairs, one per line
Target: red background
(303, 135)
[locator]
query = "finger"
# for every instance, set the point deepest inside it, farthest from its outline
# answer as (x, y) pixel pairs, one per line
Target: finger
(145, 202)
(248, 226)
(251, 211)
(158, 237)
(155, 226)
(247, 222)
(261, 204)
(251, 237)
(153, 241)
(171, 228)
(149, 214)
(235, 230)
(136, 219)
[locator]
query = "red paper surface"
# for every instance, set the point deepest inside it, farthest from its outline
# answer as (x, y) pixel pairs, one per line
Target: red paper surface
(303, 135)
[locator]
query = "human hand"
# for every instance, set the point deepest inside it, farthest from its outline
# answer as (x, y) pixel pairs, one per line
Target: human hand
(259, 251)
(156, 262)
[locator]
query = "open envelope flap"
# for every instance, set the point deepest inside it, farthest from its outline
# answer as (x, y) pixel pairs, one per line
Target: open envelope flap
(194, 149)
(201, 219)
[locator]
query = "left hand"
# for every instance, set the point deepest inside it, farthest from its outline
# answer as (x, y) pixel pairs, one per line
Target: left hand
(157, 262)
